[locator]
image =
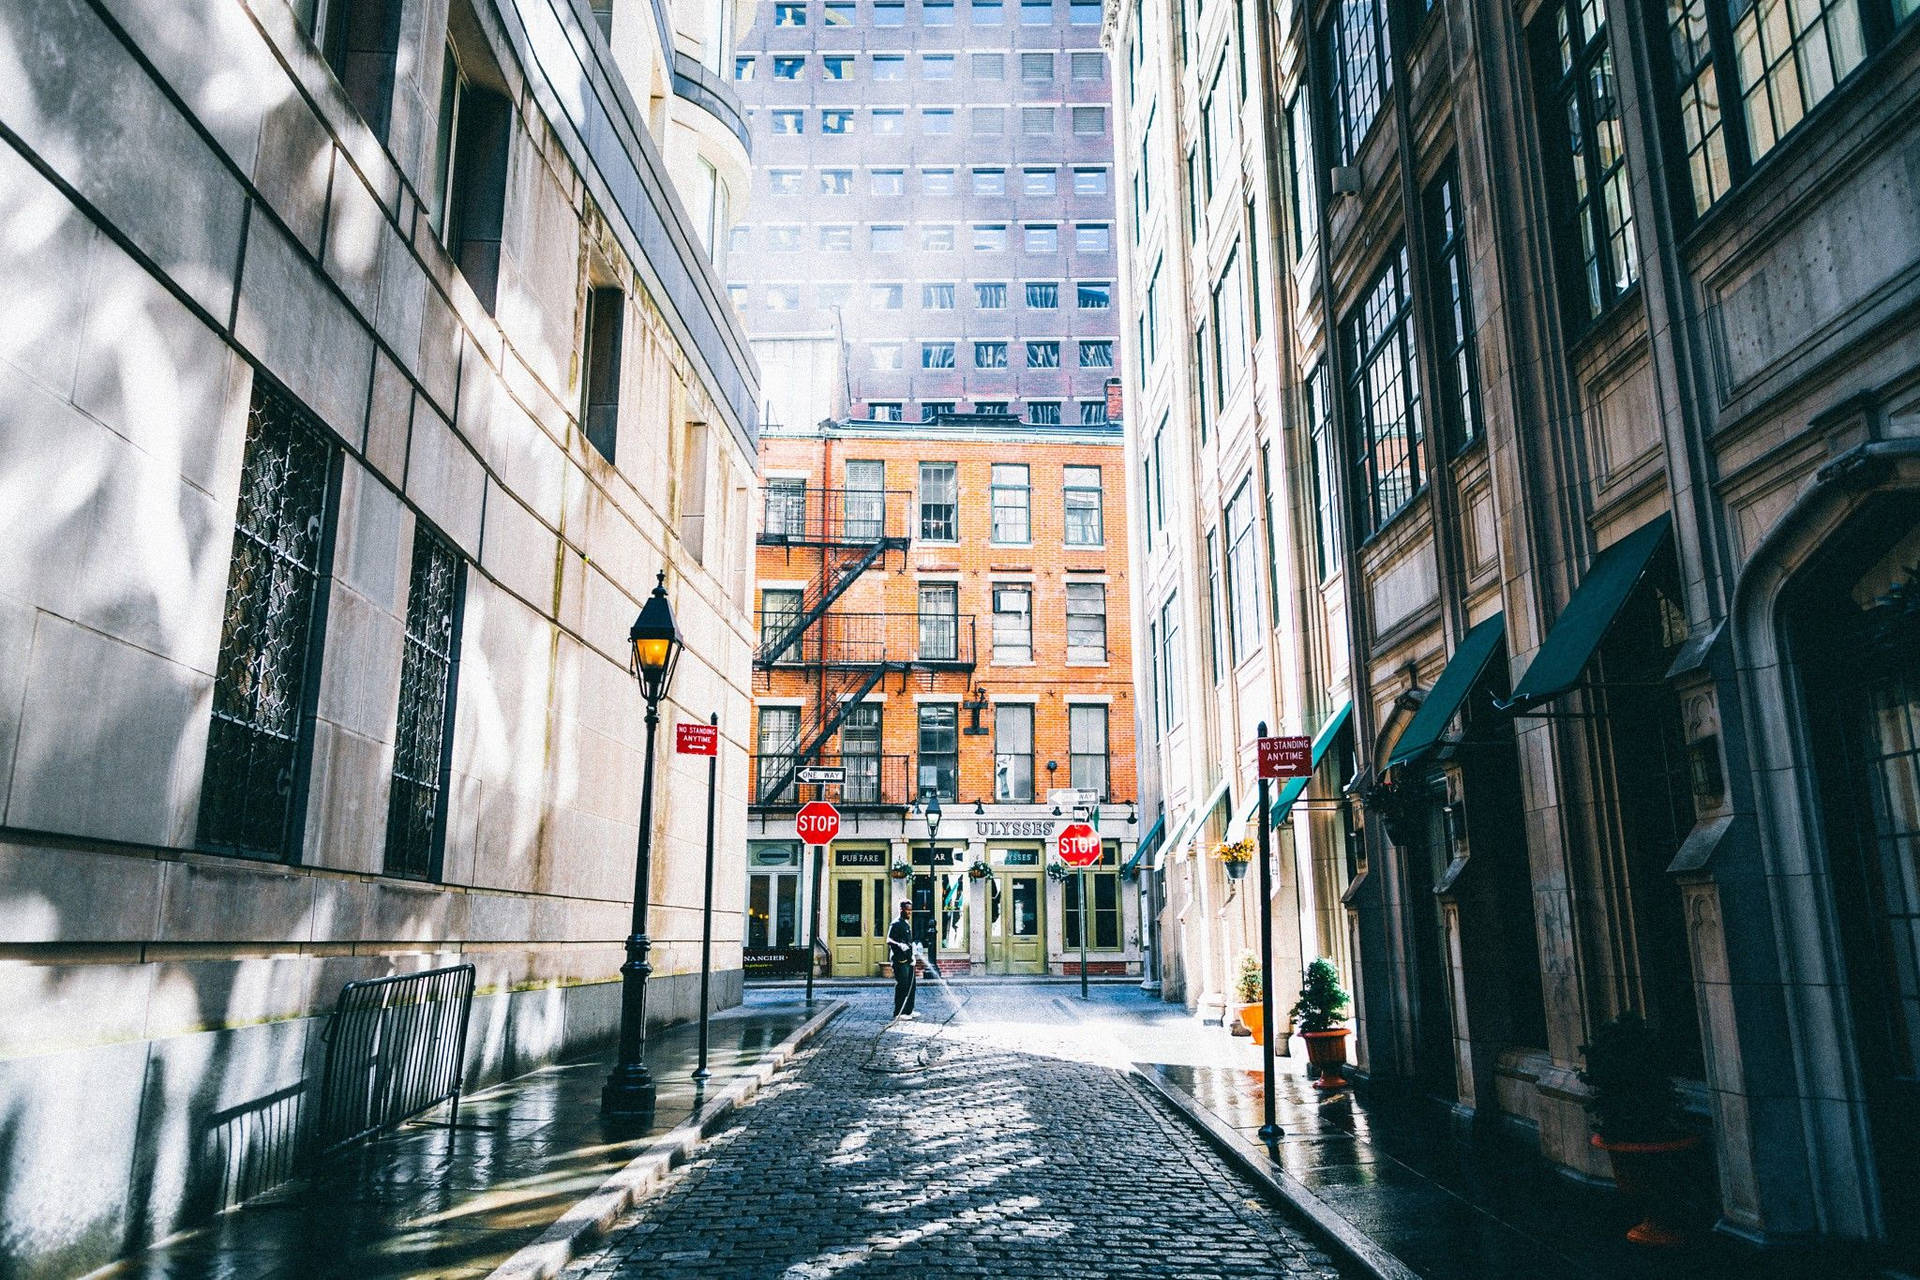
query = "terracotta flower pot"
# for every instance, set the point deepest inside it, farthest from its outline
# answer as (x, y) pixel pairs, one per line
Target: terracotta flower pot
(1250, 1018)
(1653, 1178)
(1327, 1051)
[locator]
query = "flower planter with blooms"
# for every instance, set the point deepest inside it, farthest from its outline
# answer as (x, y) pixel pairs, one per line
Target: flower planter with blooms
(1317, 1011)
(1637, 1121)
(1236, 854)
(1247, 988)
(978, 870)
(900, 870)
(1057, 870)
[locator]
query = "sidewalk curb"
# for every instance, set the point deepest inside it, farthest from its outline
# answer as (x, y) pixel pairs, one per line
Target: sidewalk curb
(1351, 1243)
(583, 1225)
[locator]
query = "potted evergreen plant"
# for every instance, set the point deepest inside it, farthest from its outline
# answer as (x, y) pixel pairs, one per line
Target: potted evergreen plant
(1637, 1121)
(1317, 1012)
(1247, 989)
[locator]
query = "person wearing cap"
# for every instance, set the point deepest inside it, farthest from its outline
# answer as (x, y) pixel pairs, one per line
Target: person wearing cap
(900, 952)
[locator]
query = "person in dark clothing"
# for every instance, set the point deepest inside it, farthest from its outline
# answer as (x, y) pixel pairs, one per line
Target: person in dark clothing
(900, 952)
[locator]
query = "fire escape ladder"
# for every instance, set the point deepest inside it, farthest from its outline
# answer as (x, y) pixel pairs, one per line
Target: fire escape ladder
(819, 598)
(828, 718)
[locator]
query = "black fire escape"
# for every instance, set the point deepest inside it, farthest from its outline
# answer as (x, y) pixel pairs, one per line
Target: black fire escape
(844, 655)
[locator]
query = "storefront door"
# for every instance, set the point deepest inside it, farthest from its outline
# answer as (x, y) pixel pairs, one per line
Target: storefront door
(857, 899)
(1016, 928)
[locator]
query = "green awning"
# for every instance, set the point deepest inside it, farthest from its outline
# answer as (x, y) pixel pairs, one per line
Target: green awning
(1462, 672)
(1596, 602)
(1147, 843)
(1321, 741)
(1198, 816)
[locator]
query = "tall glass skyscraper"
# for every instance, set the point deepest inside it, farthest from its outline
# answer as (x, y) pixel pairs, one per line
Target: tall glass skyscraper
(931, 227)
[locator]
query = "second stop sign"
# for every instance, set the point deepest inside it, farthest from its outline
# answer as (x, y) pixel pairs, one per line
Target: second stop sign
(1079, 845)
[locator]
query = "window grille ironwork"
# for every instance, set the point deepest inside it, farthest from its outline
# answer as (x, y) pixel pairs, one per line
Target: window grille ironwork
(415, 810)
(258, 740)
(1384, 394)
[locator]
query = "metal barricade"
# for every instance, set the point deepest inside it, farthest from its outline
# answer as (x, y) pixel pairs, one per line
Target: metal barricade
(395, 1047)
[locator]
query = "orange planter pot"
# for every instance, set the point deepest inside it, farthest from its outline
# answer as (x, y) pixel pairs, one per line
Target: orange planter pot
(1250, 1018)
(1327, 1050)
(1652, 1176)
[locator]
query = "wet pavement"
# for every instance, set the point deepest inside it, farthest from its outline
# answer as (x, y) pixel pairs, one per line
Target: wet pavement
(991, 1137)
(428, 1201)
(1400, 1170)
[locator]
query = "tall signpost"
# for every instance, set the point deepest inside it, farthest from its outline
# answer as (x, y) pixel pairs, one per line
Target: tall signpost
(1290, 757)
(704, 740)
(816, 824)
(1080, 848)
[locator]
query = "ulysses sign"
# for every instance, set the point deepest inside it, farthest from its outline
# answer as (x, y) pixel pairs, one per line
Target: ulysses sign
(1031, 830)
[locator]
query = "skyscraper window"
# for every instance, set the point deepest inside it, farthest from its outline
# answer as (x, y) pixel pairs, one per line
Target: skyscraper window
(936, 66)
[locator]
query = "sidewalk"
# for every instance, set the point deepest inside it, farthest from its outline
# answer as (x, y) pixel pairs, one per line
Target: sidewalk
(1395, 1177)
(454, 1204)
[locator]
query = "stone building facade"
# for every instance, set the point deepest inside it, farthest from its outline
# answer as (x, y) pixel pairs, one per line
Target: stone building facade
(363, 367)
(943, 618)
(933, 210)
(1598, 381)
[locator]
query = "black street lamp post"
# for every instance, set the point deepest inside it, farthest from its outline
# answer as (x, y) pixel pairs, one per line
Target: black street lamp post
(933, 878)
(629, 1092)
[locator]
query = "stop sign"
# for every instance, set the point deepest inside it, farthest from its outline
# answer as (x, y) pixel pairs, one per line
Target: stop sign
(1079, 845)
(817, 823)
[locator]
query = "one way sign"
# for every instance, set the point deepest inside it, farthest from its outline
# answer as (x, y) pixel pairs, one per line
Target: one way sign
(818, 773)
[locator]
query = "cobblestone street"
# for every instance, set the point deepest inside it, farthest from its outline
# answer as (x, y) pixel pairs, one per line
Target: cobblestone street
(1000, 1143)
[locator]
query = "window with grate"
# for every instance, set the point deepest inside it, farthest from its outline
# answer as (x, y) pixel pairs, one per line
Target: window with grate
(860, 754)
(936, 355)
(257, 743)
(1012, 501)
(1103, 887)
(1585, 142)
(1453, 307)
(1087, 749)
(990, 297)
(1086, 622)
(1243, 593)
(1216, 659)
(1089, 122)
(779, 610)
(1359, 74)
(1383, 399)
(1036, 66)
(1083, 501)
(989, 122)
(1229, 329)
(779, 731)
(1096, 353)
(600, 385)
(1170, 668)
(361, 42)
(1088, 65)
(1326, 529)
(416, 809)
(786, 507)
(939, 763)
(989, 66)
(939, 502)
(1036, 121)
(1013, 752)
(1012, 623)
(1043, 413)
(989, 355)
(1043, 295)
(1043, 355)
(1093, 413)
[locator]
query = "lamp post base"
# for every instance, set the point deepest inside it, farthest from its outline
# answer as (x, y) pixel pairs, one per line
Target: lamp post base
(629, 1094)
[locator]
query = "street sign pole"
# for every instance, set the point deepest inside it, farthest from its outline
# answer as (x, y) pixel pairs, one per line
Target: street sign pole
(1086, 918)
(1270, 1131)
(813, 943)
(706, 909)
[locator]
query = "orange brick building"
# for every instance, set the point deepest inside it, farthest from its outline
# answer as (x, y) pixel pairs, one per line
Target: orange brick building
(943, 633)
